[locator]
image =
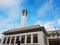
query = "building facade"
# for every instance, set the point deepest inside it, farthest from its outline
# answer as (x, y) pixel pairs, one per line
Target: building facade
(33, 35)
(53, 37)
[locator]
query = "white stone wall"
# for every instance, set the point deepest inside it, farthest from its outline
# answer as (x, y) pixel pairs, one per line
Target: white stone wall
(40, 38)
(52, 37)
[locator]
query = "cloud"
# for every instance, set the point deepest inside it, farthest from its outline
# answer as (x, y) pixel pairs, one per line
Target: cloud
(43, 10)
(1, 35)
(49, 26)
(39, 23)
(11, 9)
(46, 9)
(8, 3)
(13, 13)
(59, 22)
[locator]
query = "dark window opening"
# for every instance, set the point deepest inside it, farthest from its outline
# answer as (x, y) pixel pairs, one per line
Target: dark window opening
(58, 35)
(17, 38)
(22, 38)
(48, 35)
(53, 35)
(12, 41)
(8, 40)
(35, 38)
(28, 38)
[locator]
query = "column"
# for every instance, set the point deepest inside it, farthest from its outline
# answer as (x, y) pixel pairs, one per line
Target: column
(41, 38)
(47, 41)
(20, 38)
(15, 40)
(10, 39)
(31, 38)
(25, 39)
(6, 40)
(2, 40)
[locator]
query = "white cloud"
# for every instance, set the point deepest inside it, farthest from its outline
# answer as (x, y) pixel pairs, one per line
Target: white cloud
(13, 13)
(59, 22)
(49, 26)
(8, 3)
(1, 35)
(12, 16)
(43, 10)
(46, 8)
(39, 23)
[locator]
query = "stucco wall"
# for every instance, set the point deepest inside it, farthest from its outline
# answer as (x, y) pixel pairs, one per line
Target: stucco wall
(40, 38)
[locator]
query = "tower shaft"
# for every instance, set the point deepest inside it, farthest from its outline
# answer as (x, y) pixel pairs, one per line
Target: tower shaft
(23, 18)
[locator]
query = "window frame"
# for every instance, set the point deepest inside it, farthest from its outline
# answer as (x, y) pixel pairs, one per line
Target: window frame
(8, 41)
(17, 38)
(22, 38)
(35, 39)
(28, 38)
(12, 40)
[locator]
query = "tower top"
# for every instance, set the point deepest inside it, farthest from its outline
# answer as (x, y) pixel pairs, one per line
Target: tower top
(24, 12)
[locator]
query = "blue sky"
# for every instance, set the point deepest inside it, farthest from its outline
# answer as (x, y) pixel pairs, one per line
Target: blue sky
(43, 12)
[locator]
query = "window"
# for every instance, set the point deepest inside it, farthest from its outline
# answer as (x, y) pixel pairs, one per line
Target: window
(53, 35)
(4, 40)
(58, 35)
(8, 40)
(12, 41)
(22, 38)
(35, 38)
(28, 38)
(17, 38)
(48, 35)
